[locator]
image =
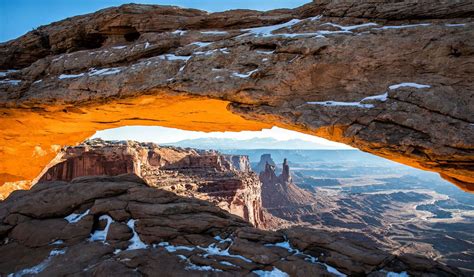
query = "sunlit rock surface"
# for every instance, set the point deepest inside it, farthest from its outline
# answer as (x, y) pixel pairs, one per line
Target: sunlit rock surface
(120, 226)
(392, 79)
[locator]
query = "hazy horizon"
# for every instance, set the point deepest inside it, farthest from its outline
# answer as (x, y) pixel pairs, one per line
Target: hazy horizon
(285, 139)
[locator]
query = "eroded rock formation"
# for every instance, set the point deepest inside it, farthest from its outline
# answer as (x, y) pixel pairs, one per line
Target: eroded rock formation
(281, 197)
(97, 226)
(224, 180)
(390, 78)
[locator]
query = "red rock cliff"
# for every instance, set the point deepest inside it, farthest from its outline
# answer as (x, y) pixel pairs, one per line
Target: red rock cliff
(225, 180)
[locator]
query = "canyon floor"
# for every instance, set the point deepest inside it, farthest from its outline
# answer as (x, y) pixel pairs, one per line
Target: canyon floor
(357, 194)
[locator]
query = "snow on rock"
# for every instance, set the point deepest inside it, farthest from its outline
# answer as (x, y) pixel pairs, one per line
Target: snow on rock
(342, 104)
(70, 76)
(179, 32)
(38, 81)
(395, 274)
(5, 73)
(412, 85)
(170, 248)
(119, 47)
(267, 31)
(286, 245)
(350, 28)
(135, 241)
(57, 242)
(201, 44)
(73, 218)
(210, 52)
(380, 97)
(273, 273)
(403, 26)
(104, 71)
(101, 235)
(192, 266)
(10, 82)
(314, 18)
(454, 25)
(265, 52)
(214, 33)
(245, 75)
(173, 57)
(214, 250)
(40, 267)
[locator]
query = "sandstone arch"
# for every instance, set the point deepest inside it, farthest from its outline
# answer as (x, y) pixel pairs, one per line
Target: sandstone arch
(392, 79)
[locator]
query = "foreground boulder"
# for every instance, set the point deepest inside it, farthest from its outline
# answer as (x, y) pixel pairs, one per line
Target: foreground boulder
(103, 226)
(391, 78)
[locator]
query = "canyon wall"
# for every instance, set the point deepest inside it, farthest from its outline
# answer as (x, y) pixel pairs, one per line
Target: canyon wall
(224, 180)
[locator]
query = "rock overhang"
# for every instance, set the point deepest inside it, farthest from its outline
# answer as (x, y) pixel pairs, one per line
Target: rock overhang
(388, 83)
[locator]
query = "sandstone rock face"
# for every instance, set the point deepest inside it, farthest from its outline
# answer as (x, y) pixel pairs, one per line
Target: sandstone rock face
(224, 180)
(104, 226)
(281, 197)
(390, 78)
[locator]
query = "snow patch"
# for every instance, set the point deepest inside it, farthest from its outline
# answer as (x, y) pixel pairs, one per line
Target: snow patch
(73, 218)
(413, 85)
(267, 31)
(119, 47)
(265, 52)
(380, 97)
(173, 57)
(40, 267)
(170, 248)
(201, 44)
(214, 33)
(342, 104)
(70, 76)
(147, 44)
(454, 25)
(403, 26)
(214, 250)
(135, 241)
(286, 245)
(395, 274)
(179, 32)
(192, 266)
(10, 82)
(273, 273)
(104, 71)
(38, 81)
(352, 27)
(245, 75)
(5, 73)
(210, 52)
(57, 242)
(101, 235)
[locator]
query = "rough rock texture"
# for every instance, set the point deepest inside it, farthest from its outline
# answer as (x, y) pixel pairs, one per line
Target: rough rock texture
(103, 226)
(281, 197)
(393, 78)
(224, 180)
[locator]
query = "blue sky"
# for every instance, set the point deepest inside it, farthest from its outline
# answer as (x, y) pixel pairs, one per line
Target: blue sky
(20, 16)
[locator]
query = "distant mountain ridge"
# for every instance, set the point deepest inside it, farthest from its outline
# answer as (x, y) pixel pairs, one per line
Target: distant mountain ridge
(253, 143)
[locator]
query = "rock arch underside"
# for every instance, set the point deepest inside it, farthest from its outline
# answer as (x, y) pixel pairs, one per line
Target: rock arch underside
(392, 79)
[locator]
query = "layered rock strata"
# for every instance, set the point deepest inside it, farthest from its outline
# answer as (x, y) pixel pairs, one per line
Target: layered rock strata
(103, 226)
(281, 197)
(391, 78)
(224, 180)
